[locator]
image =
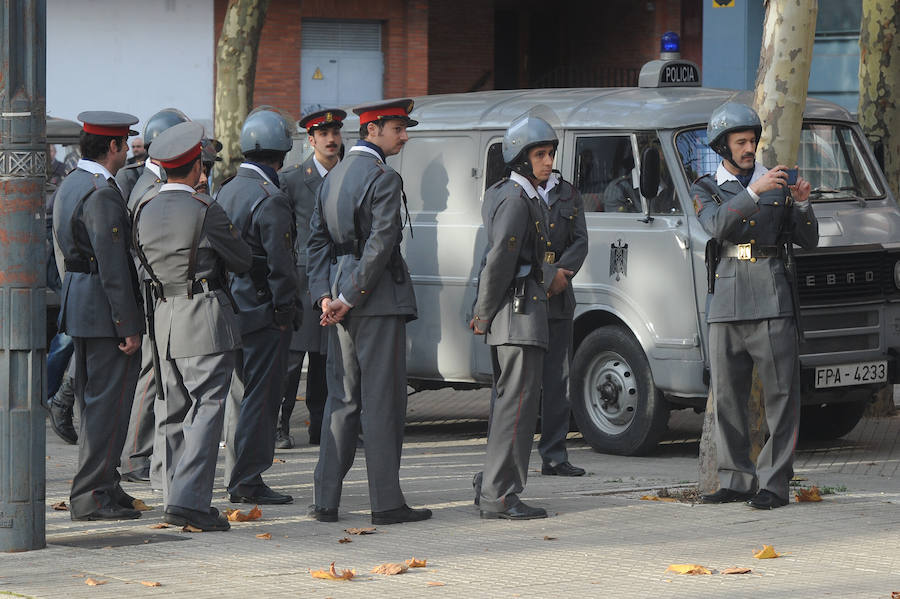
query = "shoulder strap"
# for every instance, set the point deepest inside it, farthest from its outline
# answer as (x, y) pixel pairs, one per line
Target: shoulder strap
(135, 241)
(707, 183)
(195, 243)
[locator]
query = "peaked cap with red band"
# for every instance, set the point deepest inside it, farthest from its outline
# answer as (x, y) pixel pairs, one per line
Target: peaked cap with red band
(107, 122)
(395, 109)
(330, 116)
(178, 145)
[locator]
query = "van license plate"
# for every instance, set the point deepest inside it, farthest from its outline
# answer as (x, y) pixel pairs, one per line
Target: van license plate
(844, 375)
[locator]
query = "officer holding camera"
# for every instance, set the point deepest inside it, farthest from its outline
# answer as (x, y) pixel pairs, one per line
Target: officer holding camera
(754, 216)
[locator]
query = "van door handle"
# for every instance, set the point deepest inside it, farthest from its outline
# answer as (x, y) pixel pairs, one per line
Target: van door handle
(683, 242)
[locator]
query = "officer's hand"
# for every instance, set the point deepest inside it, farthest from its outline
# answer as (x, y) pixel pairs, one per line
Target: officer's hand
(131, 345)
(560, 281)
(800, 191)
(771, 180)
(475, 328)
(333, 312)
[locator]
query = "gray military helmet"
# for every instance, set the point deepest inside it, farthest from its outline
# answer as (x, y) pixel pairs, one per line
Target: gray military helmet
(524, 133)
(162, 120)
(730, 116)
(266, 129)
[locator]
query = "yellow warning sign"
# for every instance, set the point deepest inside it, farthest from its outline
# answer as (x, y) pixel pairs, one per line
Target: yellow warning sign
(318, 74)
(723, 3)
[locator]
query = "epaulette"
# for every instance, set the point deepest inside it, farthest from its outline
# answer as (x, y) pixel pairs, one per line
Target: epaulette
(99, 182)
(226, 181)
(707, 183)
(202, 198)
(498, 183)
(134, 164)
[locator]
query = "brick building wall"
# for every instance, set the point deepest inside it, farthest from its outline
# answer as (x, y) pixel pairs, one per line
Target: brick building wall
(461, 46)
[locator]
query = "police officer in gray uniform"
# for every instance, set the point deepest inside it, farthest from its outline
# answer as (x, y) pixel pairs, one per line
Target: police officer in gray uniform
(267, 299)
(301, 183)
(186, 243)
(359, 280)
(141, 462)
(753, 214)
(100, 308)
(128, 175)
(567, 249)
(511, 311)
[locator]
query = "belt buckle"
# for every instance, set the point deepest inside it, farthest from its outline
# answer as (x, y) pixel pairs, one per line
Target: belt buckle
(744, 251)
(550, 257)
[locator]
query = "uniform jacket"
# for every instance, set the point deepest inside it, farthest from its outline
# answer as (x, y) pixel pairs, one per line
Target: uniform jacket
(748, 290)
(262, 214)
(166, 228)
(376, 283)
(301, 183)
(141, 186)
(90, 220)
(511, 247)
(568, 240)
(128, 176)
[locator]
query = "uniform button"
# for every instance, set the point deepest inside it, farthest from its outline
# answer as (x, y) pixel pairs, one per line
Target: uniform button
(743, 220)
(362, 290)
(752, 259)
(774, 203)
(808, 223)
(552, 225)
(752, 223)
(752, 241)
(549, 244)
(534, 297)
(717, 275)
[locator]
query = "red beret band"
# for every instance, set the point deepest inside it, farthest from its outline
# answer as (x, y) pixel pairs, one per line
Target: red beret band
(374, 115)
(183, 159)
(112, 131)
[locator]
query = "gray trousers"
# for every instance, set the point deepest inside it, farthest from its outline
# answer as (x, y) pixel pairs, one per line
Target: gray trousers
(556, 409)
(261, 367)
(517, 383)
(139, 439)
(105, 379)
(366, 368)
(196, 389)
(734, 348)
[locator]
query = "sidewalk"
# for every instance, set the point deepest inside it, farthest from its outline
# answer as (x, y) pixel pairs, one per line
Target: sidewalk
(601, 541)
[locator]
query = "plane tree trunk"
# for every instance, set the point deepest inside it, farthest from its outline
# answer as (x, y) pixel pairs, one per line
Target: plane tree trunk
(780, 97)
(235, 76)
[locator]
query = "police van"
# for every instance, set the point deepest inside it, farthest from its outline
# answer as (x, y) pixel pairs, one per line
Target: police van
(640, 323)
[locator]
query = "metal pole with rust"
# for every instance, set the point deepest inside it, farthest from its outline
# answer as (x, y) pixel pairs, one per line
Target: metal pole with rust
(22, 273)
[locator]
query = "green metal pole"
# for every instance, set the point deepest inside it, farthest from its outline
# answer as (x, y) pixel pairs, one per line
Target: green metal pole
(23, 342)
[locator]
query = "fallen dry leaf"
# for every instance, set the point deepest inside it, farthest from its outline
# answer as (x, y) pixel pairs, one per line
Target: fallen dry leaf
(151, 583)
(389, 569)
(369, 530)
(140, 506)
(159, 525)
(239, 516)
(656, 498)
(736, 571)
(691, 569)
(277, 461)
(93, 582)
(415, 563)
(60, 507)
(332, 574)
(344, 540)
(189, 528)
(264, 536)
(435, 584)
(767, 552)
(810, 494)
(546, 538)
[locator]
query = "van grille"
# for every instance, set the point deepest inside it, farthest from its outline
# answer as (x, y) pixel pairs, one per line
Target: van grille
(835, 278)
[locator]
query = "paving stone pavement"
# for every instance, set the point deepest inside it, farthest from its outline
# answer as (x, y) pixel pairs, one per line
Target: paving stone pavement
(601, 541)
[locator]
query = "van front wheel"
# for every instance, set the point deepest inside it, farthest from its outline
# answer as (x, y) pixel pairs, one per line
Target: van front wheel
(614, 401)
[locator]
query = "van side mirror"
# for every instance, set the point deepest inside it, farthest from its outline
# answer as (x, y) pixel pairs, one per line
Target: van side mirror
(649, 173)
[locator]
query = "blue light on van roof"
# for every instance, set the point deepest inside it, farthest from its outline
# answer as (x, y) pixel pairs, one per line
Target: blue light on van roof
(670, 42)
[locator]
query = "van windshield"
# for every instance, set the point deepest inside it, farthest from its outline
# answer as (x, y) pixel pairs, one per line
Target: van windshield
(830, 157)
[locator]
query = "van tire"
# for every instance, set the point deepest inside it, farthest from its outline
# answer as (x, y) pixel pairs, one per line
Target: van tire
(615, 403)
(822, 422)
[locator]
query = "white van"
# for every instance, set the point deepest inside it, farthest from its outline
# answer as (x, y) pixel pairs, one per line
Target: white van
(640, 326)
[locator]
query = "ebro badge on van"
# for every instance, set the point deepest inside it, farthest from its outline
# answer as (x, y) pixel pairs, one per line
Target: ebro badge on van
(640, 331)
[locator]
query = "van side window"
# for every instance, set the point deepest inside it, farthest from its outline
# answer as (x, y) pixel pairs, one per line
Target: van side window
(666, 201)
(605, 174)
(494, 169)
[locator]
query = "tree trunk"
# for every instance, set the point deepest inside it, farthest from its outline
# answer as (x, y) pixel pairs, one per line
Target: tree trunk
(781, 84)
(879, 83)
(235, 76)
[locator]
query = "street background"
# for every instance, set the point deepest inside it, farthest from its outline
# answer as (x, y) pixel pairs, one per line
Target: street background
(601, 540)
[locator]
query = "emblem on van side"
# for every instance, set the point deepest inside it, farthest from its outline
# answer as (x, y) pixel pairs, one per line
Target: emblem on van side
(618, 259)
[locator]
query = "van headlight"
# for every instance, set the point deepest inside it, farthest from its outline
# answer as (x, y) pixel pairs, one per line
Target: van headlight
(897, 274)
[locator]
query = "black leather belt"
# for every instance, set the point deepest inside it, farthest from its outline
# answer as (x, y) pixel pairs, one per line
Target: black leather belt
(347, 248)
(83, 265)
(199, 286)
(751, 251)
